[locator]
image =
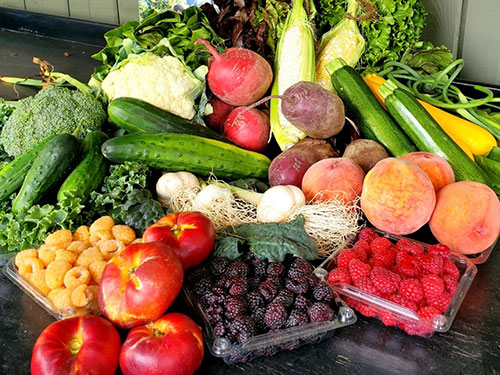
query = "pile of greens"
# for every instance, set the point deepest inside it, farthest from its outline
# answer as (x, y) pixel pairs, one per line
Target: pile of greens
(390, 27)
(5, 112)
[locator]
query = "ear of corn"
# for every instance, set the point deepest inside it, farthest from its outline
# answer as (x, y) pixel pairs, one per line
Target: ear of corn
(344, 41)
(294, 62)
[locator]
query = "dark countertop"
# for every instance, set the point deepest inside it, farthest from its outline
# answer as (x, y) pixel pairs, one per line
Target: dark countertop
(472, 346)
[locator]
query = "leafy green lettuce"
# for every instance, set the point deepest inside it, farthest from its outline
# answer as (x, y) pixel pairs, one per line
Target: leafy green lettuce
(427, 59)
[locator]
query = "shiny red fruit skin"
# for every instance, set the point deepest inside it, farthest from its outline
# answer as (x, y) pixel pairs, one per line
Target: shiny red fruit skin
(98, 353)
(140, 283)
(190, 234)
(178, 352)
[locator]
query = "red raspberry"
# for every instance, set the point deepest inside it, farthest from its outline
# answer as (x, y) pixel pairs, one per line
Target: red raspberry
(383, 258)
(345, 258)
(339, 275)
(367, 234)
(410, 267)
(361, 253)
(395, 298)
(401, 256)
(439, 249)
(409, 328)
(410, 247)
(383, 280)
(388, 319)
(363, 244)
(450, 284)
(428, 312)
(405, 302)
(411, 289)
(380, 244)
(432, 285)
(358, 269)
(431, 263)
(366, 310)
(451, 269)
(366, 285)
(351, 302)
(442, 302)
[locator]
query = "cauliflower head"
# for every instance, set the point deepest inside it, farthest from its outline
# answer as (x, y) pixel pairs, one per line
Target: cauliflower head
(164, 82)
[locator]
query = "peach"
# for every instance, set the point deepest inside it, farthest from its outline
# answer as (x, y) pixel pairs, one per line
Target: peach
(466, 217)
(333, 178)
(435, 167)
(397, 197)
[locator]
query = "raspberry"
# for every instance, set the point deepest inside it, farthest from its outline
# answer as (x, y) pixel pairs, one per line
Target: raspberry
(410, 247)
(345, 258)
(427, 312)
(242, 327)
(410, 267)
(409, 328)
(239, 285)
(254, 300)
(351, 302)
(401, 256)
(258, 317)
(366, 310)
(276, 269)
(358, 269)
(366, 285)
(380, 244)
(431, 263)
(395, 298)
(442, 302)
(302, 302)
(367, 234)
(275, 315)
(299, 285)
(218, 265)
(432, 285)
(323, 293)
(339, 275)
(451, 269)
(388, 319)
(442, 250)
(268, 290)
(237, 268)
(405, 302)
(285, 297)
(363, 244)
(235, 305)
(320, 312)
(383, 258)
(383, 280)
(297, 317)
(360, 253)
(411, 289)
(450, 284)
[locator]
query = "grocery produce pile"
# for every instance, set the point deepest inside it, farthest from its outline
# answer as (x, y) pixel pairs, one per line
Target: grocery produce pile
(249, 148)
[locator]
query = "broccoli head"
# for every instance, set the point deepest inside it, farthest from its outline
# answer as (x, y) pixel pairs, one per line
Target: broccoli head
(51, 111)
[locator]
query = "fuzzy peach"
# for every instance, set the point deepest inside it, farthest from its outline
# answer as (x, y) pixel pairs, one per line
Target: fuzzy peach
(435, 167)
(397, 196)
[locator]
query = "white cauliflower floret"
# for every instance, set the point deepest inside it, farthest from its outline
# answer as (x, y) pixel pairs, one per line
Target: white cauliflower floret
(161, 81)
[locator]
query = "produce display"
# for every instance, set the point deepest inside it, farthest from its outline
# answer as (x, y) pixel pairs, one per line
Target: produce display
(246, 155)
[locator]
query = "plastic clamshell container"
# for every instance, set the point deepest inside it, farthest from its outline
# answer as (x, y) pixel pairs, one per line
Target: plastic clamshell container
(269, 343)
(10, 271)
(422, 327)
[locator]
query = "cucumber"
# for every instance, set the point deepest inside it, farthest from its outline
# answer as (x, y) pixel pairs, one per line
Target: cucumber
(51, 164)
(365, 110)
(138, 116)
(89, 173)
(12, 175)
(494, 153)
(426, 133)
(183, 152)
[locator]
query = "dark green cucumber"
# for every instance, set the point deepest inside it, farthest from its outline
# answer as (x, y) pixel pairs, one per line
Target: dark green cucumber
(365, 110)
(494, 153)
(89, 173)
(138, 116)
(12, 175)
(426, 133)
(182, 152)
(51, 164)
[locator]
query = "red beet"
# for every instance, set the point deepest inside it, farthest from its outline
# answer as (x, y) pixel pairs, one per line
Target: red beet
(238, 76)
(220, 113)
(247, 128)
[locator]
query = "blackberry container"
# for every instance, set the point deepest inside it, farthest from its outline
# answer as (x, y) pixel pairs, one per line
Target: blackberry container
(272, 342)
(422, 327)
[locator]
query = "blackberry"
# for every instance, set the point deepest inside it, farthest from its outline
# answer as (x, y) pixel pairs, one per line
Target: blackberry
(322, 293)
(253, 283)
(299, 285)
(297, 317)
(276, 280)
(275, 315)
(301, 302)
(218, 265)
(259, 316)
(285, 297)
(219, 329)
(254, 300)
(312, 279)
(242, 327)
(197, 274)
(237, 268)
(238, 285)
(299, 267)
(234, 306)
(320, 312)
(276, 269)
(202, 286)
(268, 290)
(224, 282)
(259, 267)
(214, 314)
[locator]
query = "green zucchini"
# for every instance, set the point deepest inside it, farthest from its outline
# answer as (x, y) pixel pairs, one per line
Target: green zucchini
(492, 168)
(12, 175)
(51, 164)
(89, 173)
(365, 110)
(494, 153)
(182, 152)
(426, 133)
(138, 116)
